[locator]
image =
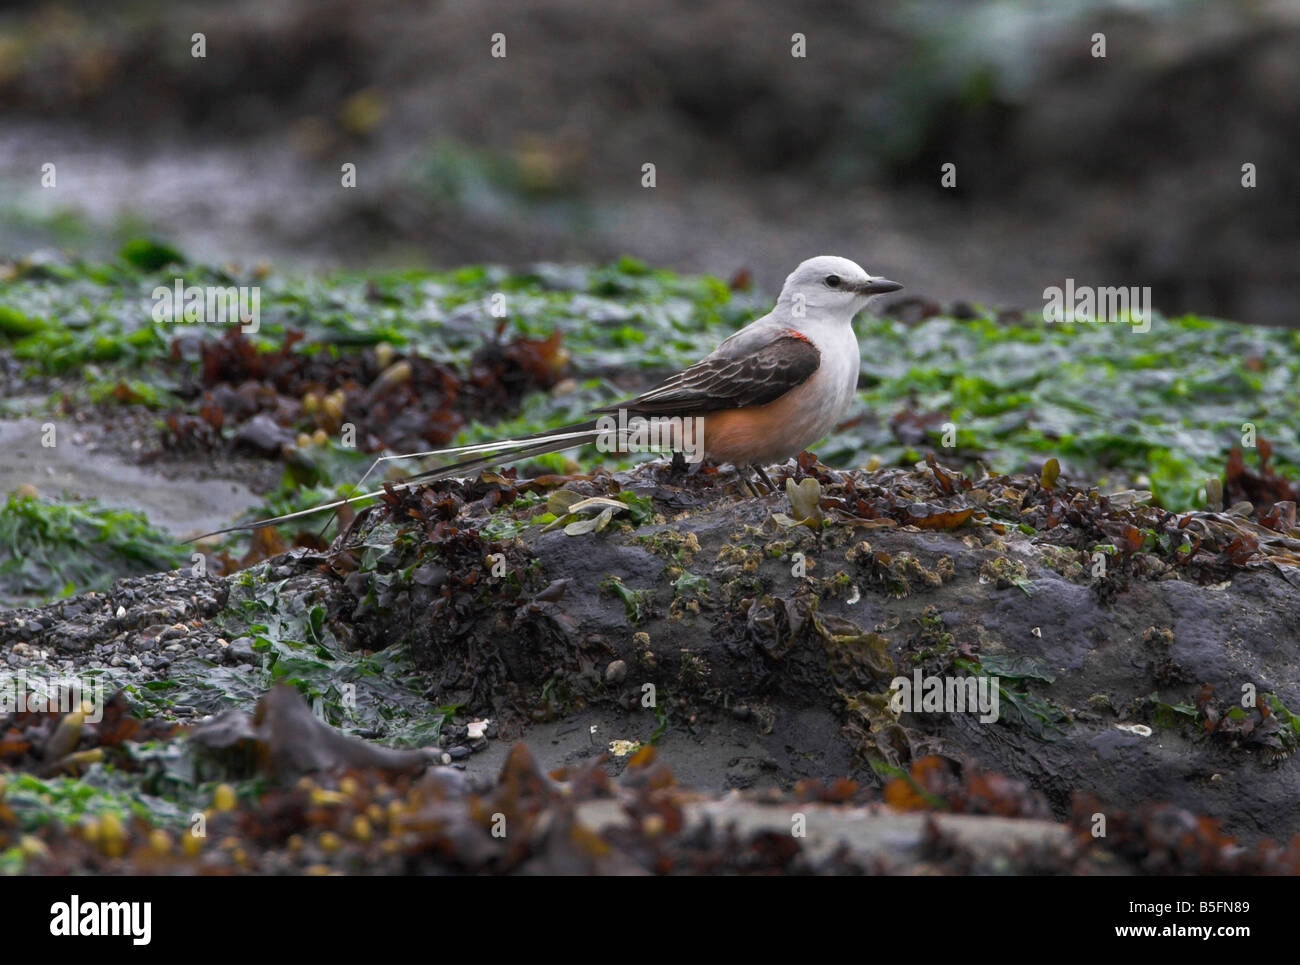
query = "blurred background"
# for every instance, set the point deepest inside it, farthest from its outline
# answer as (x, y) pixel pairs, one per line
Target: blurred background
(1123, 170)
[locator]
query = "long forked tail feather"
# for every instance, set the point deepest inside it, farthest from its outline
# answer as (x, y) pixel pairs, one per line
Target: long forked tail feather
(486, 454)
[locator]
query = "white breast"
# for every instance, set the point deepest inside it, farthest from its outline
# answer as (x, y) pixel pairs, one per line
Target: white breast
(836, 380)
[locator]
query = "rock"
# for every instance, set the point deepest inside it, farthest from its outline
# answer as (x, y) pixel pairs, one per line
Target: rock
(809, 673)
(241, 650)
(616, 673)
(264, 435)
(773, 678)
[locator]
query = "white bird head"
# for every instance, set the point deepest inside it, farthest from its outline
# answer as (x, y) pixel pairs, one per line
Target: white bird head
(830, 285)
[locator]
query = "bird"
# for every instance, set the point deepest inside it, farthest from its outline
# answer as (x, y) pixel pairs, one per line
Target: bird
(767, 392)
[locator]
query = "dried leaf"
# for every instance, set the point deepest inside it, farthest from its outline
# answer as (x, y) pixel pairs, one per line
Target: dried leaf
(561, 500)
(805, 499)
(614, 505)
(591, 524)
(1051, 470)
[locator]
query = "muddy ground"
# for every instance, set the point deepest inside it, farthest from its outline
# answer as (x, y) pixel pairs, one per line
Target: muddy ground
(650, 669)
(753, 651)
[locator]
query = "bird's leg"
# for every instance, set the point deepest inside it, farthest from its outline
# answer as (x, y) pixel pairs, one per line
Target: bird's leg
(678, 467)
(746, 486)
(751, 484)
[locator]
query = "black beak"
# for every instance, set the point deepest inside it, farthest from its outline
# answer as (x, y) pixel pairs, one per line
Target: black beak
(878, 286)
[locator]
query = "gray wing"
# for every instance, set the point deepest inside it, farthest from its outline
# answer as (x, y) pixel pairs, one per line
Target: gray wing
(723, 381)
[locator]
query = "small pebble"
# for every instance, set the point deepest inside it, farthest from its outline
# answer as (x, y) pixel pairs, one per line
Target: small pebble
(616, 673)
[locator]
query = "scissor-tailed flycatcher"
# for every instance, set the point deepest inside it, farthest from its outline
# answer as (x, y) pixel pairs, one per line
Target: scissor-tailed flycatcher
(766, 393)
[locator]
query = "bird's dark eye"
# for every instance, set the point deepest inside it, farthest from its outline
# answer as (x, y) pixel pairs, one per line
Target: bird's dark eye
(833, 281)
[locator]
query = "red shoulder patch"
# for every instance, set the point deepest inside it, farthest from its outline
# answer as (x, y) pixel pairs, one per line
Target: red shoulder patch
(791, 333)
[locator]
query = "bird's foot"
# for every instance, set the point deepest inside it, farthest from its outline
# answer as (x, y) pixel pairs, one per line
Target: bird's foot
(680, 468)
(751, 485)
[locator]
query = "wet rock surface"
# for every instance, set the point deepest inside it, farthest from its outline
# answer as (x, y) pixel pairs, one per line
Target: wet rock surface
(756, 650)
